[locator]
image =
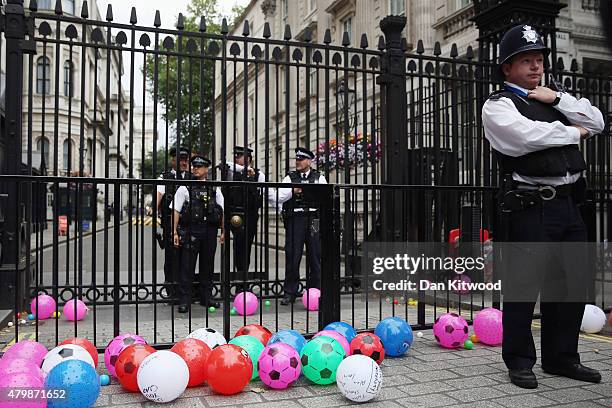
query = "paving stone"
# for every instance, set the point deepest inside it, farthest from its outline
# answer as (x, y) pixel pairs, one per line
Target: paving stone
(473, 371)
(216, 400)
(432, 375)
(179, 403)
(395, 380)
(426, 388)
(524, 401)
(332, 400)
(606, 402)
(127, 398)
(469, 382)
(478, 404)
(274, 404)
(475, 393)
(103, 400)
(433, 400)
(560, 382)
(290, 393)
(570, 395)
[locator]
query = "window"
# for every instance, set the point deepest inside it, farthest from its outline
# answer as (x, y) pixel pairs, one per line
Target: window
(462, 3)
(43, 76)
(68, 91)
(68, 6)
(42, 145)
(68, 148)
(46, 4)
(312, 5)
(347, 27)
(313, 81)
(284, 9)
(398, 7)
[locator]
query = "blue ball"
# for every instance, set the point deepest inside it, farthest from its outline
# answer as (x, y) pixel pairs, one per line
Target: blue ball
(290, 337)
(80, 382)
(104, 379)
(31, 317)
(396, 336)
(344, 329)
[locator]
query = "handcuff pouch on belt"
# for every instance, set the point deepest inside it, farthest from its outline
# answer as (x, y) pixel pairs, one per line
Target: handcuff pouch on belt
(518, 200)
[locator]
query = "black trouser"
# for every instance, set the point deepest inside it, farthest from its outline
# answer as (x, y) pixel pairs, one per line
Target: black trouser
(243, 243)
(557, 220)
(202, 242)
(171, 256)
(300, 230)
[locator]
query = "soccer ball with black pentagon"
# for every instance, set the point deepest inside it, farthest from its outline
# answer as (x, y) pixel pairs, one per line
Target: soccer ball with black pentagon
(211, 337)
(65, 352)
(451, 330)
(368, 344)
(279, 366)
(320, 358)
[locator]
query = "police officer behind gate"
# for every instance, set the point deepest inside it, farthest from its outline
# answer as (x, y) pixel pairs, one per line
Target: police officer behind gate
(243, 207)
(301, 216)
(164, 199)
(535, 133)
(198, 214)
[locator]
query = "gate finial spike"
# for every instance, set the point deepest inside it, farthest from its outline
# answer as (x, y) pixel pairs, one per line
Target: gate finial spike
(267, 33)
(287, 35)
(246, 30)
(157, 21)
(420, 47)
(381, 43)
(469, 53)
(364, 41)
(133, 19)
(346, 41)
(560, 64)
(307, 35)
(180, 23)
(224, 27)
(58, 7)
(84, 10)
(437, 49)
(327, 36)
(454, 52)
(109, 12)
(202, 27)
(33, 5)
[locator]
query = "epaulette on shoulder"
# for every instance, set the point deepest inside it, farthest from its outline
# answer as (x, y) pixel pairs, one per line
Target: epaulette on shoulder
(497, 94)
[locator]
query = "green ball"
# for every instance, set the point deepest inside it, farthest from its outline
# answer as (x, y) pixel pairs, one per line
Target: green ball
(468, 345)
(267, 303)
(212, 309)
(233, 312)
(253, 347)
(321, 357)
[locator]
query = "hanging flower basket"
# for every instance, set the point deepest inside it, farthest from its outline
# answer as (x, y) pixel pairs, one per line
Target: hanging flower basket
(356, 152)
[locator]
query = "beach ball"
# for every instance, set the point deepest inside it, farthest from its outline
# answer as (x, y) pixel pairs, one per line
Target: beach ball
(246, 303)
(162, 376)
(359, 378)
(488, 326)
(42, 306)
(593, 319)
(450, 330)
(279, 366)
(290, 337)
(396, 336)
(310, 299)
(71, 314)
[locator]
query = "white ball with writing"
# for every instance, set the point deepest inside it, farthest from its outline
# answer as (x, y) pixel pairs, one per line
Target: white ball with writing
(162, 376)
(359, 378)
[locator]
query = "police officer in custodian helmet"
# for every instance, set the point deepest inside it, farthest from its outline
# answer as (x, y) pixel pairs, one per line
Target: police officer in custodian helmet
(535, 133)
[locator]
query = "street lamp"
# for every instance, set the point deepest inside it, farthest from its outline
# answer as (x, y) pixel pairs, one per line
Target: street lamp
(345, 96)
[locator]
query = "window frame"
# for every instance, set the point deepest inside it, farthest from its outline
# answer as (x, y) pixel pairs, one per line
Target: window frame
(44, 151)
(68, 79)
(312, 6)
(65, 153)
(343, 21)
(393, 6)
(43, 75)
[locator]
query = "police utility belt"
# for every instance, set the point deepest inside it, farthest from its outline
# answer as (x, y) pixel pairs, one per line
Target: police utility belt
(523, 196)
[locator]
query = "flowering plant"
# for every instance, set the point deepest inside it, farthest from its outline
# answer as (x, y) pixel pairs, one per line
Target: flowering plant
(356, 152)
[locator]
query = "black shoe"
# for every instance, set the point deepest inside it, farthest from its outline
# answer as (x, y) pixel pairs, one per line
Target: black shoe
(183, 308)
(575, 371)
(523, 377)
(287, 300)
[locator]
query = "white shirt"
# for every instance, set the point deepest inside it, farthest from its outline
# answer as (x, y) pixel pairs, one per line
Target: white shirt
(161, 188)
(514, 135)
(284, 194)
(182, 195)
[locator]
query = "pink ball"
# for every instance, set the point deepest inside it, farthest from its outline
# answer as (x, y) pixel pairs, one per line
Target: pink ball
(81, 310)
(336, 336)
(451, 330)
(28, 350)
(462, 278)
(310, 299)
(20, 365)
(22, 380)
(488, 326)
(246, 303)
(279, 366)
(116, 346)
(46, 306)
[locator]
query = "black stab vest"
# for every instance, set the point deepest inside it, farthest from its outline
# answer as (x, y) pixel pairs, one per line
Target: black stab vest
(551, 162)
(308, 197)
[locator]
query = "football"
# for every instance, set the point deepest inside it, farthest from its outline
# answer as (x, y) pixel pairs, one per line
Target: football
(279, 366)
(320, 359)
(63, 353)
(116, 346)
(211, 337)
(451, 330)
(368, 344)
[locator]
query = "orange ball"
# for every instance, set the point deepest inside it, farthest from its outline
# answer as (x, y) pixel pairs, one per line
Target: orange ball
(128, 362)
(259, 332)
(86, 344)
(229, 369)
(195, 353)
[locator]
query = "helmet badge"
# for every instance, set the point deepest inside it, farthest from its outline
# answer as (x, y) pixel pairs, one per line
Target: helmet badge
(529, 34)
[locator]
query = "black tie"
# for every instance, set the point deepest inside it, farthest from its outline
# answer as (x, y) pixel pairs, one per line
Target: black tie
(304, 176)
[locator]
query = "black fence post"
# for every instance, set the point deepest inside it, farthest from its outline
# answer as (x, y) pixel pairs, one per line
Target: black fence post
(395, 128)
(14, 31)
(329, 306)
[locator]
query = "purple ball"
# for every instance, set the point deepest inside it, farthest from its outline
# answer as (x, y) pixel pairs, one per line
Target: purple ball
(44, 307)
(116, 346)
(22, 380)
(279, 366)
(14, 365)
(29, 350)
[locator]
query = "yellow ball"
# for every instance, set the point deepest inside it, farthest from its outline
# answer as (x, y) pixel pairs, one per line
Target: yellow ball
(57, 314)
(474, 338)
